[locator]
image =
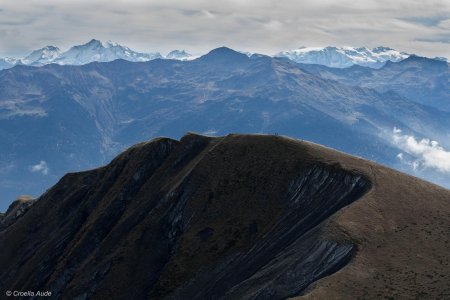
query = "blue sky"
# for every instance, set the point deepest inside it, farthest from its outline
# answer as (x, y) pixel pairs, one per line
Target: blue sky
(264, 26)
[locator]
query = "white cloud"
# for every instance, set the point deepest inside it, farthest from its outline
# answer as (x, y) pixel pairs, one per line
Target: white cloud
(426, 153)
(41, 167)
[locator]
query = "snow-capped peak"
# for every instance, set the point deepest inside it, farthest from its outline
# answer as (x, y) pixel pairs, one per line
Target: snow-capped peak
(342, 57)
(94, 43)
(110, 44)
(96, 50)
(179, 55)
(93, 50)
(42, 56)
(8, 62)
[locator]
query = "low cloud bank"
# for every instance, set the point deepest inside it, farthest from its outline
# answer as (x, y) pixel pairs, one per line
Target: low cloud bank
(427, 153)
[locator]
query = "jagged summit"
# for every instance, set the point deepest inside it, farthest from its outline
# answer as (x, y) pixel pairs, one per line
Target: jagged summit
(232, 217)
(92, 43)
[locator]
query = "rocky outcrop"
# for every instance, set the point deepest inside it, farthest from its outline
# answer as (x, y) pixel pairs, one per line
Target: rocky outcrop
(15, 211)
(291, 255)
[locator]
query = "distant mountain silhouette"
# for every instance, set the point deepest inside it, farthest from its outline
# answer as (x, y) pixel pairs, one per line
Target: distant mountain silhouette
(224, 55)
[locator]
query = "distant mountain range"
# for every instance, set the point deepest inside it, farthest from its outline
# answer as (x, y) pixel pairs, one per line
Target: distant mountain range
(97, 51)
(342, 57)
(420, 79)
(94, 50)
(55, 119)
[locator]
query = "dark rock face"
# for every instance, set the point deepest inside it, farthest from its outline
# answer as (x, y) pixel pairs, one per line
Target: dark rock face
(15, 211)
(258, 272)
(237, 217)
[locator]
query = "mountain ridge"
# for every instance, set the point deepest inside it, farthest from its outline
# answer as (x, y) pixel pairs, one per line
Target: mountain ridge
(92, 51)
(420, 79)
(96, 50)
(234, 217)
(342, 57)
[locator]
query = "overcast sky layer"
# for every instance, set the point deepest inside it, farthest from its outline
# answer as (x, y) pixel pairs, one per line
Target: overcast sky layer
(263, 26)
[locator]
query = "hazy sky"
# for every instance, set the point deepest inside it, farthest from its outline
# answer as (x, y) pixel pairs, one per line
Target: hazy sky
(264, 26)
